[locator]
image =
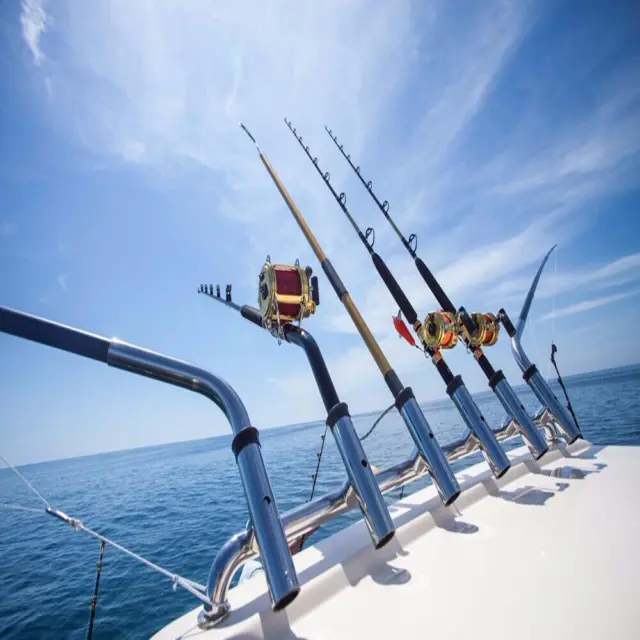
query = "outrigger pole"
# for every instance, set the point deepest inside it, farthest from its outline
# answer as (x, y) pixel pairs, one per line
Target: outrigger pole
(497, 381)
(338, 420)
(433, 456)
(567, 424)
(456, 389)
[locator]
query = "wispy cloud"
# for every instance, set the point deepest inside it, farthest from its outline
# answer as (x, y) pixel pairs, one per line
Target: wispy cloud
(34, 21)
(471, 158)
(587, 305)
(614, 273)
(63, 280)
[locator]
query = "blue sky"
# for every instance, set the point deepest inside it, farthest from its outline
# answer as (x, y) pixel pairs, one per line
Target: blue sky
(495, 129)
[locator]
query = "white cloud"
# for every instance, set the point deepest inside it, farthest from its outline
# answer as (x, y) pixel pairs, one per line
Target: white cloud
(63, 279)
(615, 273)
(34, 21)
(163, 85)
(587, 305)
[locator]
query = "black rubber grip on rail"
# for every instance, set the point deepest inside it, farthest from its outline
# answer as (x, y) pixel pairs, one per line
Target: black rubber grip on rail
(403, 397)
(251, 314)
(339, 411)
(436, 289)
(394, 289)
(333, 278)
(244, 437)
(455, 384)
(52, 334)
(497, 376)
(530, 371)
(506, 323)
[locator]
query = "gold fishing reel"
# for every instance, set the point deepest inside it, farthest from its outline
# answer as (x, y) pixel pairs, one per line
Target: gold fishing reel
(487, 329)
(286, 293)
(440, 330)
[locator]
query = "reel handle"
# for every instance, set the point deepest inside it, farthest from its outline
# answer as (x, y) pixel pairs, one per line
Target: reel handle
(467, 321)
(315, 292)
(506, 322)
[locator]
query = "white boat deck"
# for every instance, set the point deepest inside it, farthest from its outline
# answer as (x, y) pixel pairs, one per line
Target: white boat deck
(551, 550)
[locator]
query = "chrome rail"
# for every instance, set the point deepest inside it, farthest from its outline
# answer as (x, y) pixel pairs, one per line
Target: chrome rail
(268, 528)
(307, 517)
(270, 533)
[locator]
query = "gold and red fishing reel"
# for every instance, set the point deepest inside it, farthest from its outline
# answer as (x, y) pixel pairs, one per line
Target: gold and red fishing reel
(286, 293)
(486, 333)
(440, 330)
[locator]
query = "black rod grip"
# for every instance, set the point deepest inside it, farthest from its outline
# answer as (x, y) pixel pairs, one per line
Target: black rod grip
(53, 334)
(306, 341)
(251, 314)
(486, 366)
(394, 289)
(436, 289)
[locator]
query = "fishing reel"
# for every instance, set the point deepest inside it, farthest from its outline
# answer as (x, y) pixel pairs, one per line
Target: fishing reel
(486, 332)
(286, 293)
(440, 330)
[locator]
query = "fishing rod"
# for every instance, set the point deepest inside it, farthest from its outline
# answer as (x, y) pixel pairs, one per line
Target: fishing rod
(274, 295)
(568, 424)
(406, 404)
(427, 333)
(477, 330)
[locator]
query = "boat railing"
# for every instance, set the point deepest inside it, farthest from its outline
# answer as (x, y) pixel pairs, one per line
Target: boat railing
(269, 533)
(309, 516)
(267, 527)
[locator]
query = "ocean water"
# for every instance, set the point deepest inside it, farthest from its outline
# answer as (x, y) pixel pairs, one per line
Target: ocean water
(177, 504)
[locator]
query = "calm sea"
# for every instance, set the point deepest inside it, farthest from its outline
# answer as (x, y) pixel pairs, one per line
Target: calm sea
(176, 505)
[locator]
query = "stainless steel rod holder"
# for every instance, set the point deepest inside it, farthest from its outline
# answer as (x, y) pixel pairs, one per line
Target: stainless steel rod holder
(308, 516)
(265, 517)
(361, 477)
(363, 482)
(491, 450)
(434, 457)
(511, 403)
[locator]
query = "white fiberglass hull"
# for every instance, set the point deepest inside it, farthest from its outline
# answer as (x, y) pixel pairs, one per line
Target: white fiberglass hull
(551, 550)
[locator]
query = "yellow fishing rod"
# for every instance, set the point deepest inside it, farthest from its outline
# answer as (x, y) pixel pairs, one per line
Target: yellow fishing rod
(433, 456)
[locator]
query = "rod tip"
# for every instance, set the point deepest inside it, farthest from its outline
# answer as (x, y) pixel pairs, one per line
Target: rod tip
(242, 126)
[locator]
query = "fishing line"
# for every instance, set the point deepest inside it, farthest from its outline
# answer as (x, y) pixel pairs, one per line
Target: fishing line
(29, 485)
(553, 312)
(194, 588)
(377, 422)
(17, 507)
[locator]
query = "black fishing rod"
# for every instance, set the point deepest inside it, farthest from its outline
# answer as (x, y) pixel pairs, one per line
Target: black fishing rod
(473, 326)
(430, 451)
(457, 391)
(361, 476)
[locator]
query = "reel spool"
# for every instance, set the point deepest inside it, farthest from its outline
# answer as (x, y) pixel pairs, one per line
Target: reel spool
(440, 330)
(487, 330)
(286, 293)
